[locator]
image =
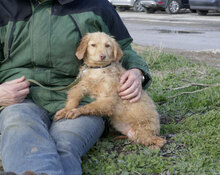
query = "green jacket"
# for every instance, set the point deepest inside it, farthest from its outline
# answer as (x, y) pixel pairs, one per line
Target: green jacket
(39, 40)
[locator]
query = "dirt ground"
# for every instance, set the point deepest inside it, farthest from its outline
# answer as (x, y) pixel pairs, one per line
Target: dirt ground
(210, 58)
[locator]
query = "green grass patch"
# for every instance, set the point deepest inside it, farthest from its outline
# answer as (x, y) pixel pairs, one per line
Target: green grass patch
(190, 122)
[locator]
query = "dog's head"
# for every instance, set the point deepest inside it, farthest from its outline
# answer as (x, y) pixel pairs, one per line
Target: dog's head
(98, 49)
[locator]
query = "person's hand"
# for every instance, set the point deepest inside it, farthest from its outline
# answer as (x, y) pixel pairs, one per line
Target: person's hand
(131, 85)
(14, 91)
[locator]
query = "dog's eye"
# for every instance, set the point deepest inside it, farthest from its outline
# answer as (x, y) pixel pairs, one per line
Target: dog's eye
(93, 45)
(107, 45)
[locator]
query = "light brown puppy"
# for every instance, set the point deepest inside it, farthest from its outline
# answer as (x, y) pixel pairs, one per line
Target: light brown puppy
(100, 78)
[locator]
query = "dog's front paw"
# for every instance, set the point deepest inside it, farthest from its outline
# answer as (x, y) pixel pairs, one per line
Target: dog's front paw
(60, 114)
(74, 113)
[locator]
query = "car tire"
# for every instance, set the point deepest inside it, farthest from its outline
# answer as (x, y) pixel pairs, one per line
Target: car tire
(138, 7)
(192, 10)
(173, 6)
(122, 8)
(149, 10)
(202, 12)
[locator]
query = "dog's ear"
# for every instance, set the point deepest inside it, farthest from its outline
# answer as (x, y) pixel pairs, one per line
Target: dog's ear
(81, 50)
(117, 51)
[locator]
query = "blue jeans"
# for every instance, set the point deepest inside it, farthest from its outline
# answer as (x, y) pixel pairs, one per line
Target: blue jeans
(31, 141)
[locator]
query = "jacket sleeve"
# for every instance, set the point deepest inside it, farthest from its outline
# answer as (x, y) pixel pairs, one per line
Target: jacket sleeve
(130, 58)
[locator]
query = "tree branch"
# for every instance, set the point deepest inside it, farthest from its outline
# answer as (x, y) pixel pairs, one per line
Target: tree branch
(196, 84)
(192, 92)
(205, 86)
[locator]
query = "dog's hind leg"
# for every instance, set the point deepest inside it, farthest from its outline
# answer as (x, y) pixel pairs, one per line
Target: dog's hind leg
(152, 141)
(121, 137)
(146, 137)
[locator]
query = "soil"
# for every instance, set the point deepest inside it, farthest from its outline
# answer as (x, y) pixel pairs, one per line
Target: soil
(211, 58)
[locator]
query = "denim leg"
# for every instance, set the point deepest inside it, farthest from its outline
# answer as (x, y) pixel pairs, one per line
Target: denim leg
(26, 143)
(74, 137)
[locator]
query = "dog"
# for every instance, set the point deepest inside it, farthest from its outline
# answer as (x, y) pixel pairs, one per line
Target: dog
(100, 77)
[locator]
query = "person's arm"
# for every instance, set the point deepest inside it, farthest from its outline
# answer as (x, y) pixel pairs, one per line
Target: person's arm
(14, 91)
(131, 85)
(131, 60)
(136, 77)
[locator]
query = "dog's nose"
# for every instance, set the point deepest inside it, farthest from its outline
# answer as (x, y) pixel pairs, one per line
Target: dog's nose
(102, 56)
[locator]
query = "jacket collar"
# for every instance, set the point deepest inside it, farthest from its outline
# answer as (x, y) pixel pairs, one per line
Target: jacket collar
(62, 2)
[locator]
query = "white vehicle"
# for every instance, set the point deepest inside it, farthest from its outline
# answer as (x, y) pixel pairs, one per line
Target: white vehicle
(127, 4)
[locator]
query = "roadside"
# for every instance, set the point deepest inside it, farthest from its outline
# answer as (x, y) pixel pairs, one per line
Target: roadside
(187, 34)
(211, 58)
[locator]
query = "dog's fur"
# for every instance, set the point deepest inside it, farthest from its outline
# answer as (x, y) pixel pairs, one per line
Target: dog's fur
(139, 121)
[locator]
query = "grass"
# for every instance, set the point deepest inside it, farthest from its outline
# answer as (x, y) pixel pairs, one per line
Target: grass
(190, 123)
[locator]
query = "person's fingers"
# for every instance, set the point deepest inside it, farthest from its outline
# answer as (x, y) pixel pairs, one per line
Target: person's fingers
(22, 85)
(126, 85)
(20, 99)
(131, 95)
(14, 93)
(131, 86)
(23, 92)
(19, 96)
(18, 80)
(133, 100)
(124, 77)
(128, 89)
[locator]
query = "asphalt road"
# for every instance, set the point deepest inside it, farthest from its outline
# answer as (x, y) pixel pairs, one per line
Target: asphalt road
(192, 36)
(182, 31)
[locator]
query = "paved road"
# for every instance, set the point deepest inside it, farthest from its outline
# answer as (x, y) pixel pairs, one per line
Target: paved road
(182, 31)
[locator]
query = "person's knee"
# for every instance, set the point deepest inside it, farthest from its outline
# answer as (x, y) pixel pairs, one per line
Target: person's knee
(78, 135)
(68, 142)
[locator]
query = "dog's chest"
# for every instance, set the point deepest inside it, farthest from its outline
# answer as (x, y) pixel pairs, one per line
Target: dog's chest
(102, 82)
